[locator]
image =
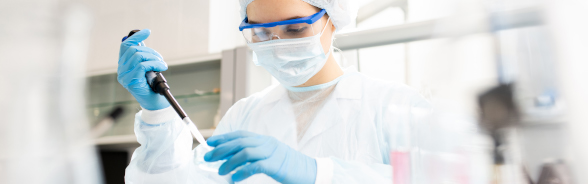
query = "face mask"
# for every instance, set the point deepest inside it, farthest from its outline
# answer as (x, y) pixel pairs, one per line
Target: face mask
(291, 61)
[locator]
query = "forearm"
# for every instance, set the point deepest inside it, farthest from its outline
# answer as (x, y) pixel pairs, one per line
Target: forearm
(165, 154)
(165, 150)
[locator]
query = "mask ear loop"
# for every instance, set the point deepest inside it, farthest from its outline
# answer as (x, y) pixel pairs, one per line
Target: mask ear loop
(332, 39)
(324, 28)
(336, 49)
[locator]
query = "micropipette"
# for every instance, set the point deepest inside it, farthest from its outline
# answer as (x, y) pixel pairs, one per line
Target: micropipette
(159, 85)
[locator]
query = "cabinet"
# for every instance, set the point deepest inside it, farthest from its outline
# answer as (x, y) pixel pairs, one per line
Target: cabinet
(206, 87)
(195, 85)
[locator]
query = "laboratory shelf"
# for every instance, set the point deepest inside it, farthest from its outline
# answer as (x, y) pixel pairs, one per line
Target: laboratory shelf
(128, 102)
(194, 81)
(201, 108)
(132, 139)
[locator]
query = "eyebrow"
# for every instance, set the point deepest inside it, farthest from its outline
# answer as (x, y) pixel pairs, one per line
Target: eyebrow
(294, 17)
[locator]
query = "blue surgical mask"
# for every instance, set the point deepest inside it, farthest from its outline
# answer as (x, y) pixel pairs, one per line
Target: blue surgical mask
(291, 61)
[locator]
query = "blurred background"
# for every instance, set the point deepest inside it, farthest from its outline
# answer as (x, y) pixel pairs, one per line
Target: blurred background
(506, 78)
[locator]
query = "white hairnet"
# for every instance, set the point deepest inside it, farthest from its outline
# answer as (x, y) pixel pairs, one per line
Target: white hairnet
(338, 10)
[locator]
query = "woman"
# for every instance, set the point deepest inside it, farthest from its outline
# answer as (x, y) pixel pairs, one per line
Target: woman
(321, 125)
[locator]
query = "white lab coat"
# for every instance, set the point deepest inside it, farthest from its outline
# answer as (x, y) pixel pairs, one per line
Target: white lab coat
(362, 121)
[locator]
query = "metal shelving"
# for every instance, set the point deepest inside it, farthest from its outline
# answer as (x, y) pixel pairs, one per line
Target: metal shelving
(132, 139)
(194, 83)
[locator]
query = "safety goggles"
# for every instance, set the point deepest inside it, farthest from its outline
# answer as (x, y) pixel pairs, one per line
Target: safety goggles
(288, 29)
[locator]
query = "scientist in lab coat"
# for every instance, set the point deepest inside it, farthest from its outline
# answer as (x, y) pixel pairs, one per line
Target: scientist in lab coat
(322, 124)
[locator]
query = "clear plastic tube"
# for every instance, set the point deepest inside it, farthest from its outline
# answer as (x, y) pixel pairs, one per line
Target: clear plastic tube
(196, 134)
(203, 149)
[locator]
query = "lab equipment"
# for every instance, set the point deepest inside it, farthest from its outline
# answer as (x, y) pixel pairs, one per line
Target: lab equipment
(555, 172)
(106, 122)
(287, 29)
(291, 61)
(156, 81)
(350, 138)
(338, 10)
(498, 111)
(264, 154)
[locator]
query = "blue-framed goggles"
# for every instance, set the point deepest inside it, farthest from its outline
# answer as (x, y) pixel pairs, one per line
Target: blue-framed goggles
(288, 29)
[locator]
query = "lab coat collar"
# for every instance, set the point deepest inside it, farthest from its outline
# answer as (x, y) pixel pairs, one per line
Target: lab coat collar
(349, 85)
(330, 115)
(274, 94)
(348, 88)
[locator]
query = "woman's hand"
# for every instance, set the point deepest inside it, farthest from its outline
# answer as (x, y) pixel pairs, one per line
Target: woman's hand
(135, 59)
(264, 153)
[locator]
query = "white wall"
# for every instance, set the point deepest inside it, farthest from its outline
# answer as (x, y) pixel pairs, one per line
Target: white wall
(179, 29)
(224, 26)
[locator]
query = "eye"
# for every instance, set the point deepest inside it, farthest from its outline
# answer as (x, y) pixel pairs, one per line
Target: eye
(259, 33)
(296, 29)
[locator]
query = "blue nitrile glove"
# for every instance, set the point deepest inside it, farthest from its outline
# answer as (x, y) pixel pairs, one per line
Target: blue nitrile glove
(134, 61)
(264, 153)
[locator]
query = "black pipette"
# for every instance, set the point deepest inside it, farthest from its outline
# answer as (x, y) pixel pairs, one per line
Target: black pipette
(159, 85)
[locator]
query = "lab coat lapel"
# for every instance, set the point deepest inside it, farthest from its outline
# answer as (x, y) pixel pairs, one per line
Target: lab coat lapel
(330, 114)
(276, 117)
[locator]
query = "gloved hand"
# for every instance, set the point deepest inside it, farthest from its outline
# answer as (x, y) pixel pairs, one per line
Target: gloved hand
(264, 153)
(135, 59)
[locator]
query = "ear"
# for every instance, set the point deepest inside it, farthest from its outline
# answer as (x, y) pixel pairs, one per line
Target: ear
(333, 28)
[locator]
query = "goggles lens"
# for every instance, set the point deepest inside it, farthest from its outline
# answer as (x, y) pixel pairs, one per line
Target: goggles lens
(288, 29)
(291, 31)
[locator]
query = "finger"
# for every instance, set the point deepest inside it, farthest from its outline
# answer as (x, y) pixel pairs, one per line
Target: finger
(223, 138)
(137, 74)
(248, 170)
(251, 154)
(156, 66)
(136, 39)
(132, 81)
(223, 151)
(137, 58)
(134, 49)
